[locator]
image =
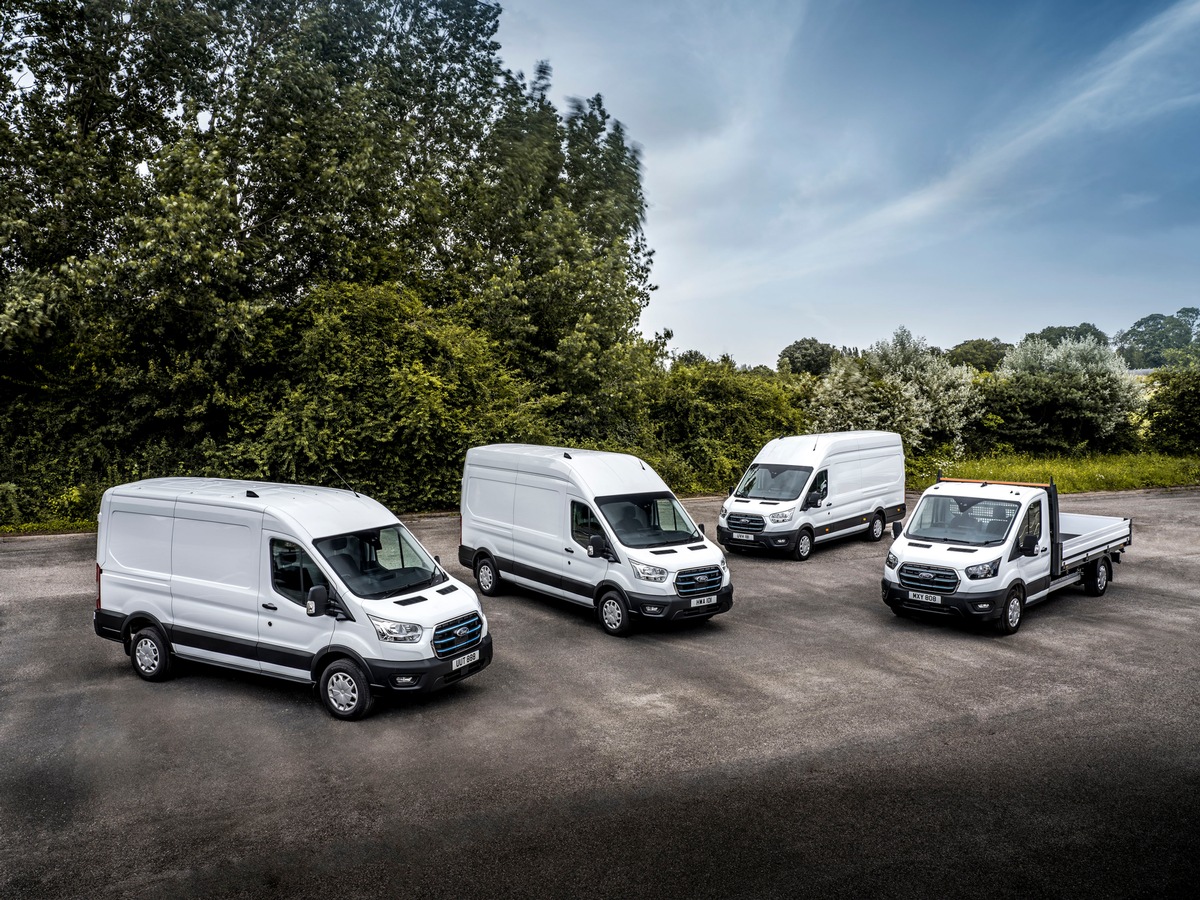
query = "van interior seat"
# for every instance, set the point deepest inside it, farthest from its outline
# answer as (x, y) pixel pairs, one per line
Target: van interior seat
(997, 526)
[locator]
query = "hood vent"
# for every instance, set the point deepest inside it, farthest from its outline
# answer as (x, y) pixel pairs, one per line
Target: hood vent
(448, 589)
(661, 552)
(409, 601)
(922, 546)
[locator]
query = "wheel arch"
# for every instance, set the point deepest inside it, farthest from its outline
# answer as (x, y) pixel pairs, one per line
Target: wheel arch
(604, 587)
(135, 622)
(332, 654)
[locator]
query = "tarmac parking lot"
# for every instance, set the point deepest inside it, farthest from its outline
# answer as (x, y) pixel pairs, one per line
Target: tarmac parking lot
(808, 743)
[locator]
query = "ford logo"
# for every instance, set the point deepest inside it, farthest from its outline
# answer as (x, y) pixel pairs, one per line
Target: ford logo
(928, 575)
(462, 632)
(701, 579)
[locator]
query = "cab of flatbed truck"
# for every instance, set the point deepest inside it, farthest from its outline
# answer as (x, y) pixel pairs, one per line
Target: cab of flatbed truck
(983, 551)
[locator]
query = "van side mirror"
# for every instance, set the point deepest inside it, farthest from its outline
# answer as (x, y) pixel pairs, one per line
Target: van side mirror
(317, 601)
(732, 489)
(897, 529)
(702, 531)
(813, 500)
(1029, 545)
(597, 545)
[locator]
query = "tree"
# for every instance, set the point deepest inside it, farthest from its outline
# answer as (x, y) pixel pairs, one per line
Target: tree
(1056, 334)
(1173, 411)
(1145, 344)
(983, 355)
(807, 355)
(1076, 396)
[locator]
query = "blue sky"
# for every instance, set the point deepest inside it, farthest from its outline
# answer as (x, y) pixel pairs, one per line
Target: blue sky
(838, 168)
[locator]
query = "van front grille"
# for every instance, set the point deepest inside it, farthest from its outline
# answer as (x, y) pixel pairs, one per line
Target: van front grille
(744, 522)
(453, 637)
(698, 582)
(929, 578)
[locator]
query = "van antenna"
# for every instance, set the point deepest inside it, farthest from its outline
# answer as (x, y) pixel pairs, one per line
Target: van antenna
(343, 481)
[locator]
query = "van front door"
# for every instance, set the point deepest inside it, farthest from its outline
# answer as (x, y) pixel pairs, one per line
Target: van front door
(581, 573)
(288, 638)
(1035, 570)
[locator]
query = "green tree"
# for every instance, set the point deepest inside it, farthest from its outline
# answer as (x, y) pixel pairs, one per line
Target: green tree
(981, 354)
(1146, 343)
(807, 355)
(1056, 334)
(1173, 411)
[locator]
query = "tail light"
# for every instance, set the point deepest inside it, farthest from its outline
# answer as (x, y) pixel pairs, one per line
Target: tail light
(97, 585)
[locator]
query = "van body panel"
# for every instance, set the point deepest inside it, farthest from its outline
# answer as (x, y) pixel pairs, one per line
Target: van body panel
(857, 475)
(536, 545)
(224, 566)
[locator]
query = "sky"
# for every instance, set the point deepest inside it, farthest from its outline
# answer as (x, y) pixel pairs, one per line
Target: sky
(840, 168)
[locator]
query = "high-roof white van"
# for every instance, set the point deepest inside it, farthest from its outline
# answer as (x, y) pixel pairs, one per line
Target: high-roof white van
(598, 529)
(311, 584)
(806, 489)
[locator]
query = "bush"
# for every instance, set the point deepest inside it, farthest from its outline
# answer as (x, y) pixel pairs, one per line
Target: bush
(1173, 411)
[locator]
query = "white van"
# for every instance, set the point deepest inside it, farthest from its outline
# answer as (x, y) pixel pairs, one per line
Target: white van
(310, 584)
(806, 489)
(598, 529)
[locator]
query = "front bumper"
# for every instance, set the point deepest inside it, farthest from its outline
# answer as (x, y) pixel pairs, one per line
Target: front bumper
(429, 674)
(765, 540)
(980, 607)
(668, 607)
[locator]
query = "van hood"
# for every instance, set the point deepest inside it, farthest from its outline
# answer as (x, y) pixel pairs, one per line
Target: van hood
(428, 607)
(678, 557)
(951, 556)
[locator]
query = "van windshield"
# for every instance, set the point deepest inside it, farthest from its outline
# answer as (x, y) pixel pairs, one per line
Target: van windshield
(380, 562)
(768, 481)
(962, 520)
(648, 520)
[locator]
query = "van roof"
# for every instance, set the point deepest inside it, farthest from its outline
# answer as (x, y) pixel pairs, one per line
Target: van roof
(598, 472)
(319, 511)
(793, 448)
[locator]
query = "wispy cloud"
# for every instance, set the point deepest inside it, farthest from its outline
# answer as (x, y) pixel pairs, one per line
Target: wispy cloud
(1122, 87)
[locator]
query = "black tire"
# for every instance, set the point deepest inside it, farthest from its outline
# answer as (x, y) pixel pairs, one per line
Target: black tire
(613, 613)
(804, 545)
(1012, 612)
(876, 529)
(487, 576)
(345, 690)
(1096, 577)
(150, 655)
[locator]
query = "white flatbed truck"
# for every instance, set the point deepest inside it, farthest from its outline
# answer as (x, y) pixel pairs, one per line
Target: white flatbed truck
(985, 550)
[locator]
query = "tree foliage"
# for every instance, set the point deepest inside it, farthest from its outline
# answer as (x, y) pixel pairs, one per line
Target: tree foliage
(1151, 341)
(1056, 334)
(981, 354)
(807, 355)
(1173, 411)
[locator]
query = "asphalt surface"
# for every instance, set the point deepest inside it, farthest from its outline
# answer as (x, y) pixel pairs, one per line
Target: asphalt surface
(807, 743)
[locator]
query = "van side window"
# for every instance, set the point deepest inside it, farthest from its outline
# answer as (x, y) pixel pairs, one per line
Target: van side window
(821, 484)
(1033, 521)
(583, 523)
(293, 572)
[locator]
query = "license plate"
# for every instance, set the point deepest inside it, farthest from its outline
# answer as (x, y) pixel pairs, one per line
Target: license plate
(465, 660)
(738, 536)
(703, 601)
(924, 598)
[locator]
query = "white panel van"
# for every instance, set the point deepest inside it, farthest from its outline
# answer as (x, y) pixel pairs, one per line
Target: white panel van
(802, 490)
(310, 584)
(598, 529)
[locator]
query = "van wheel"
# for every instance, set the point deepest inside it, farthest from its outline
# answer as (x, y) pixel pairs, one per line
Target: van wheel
(1014, 609)
(487, 576)
(804, 546)
(614, 614)
(1097, 576)
(875, 532)
(345, 690)
(150, 655)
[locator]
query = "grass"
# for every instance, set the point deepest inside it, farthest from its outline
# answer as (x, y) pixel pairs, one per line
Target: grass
(1073, 475)
(54, 526)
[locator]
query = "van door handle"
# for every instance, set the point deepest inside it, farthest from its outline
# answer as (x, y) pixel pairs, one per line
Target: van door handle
(568, 549)
(271, 606)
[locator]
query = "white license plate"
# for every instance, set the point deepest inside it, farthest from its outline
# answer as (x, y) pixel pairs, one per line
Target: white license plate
(465, 660)
(924, 598)
(703, 601)
(738, 536)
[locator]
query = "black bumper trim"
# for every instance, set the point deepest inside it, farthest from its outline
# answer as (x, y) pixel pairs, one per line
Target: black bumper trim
(433, 674)
(676, 607)
(767, 540)
(958, 605)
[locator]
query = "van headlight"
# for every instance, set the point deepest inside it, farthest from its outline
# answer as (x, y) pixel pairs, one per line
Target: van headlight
(891, 560)
(984, 570)
(648, 572)
(784, 515)
(723, 513)
(396, 632)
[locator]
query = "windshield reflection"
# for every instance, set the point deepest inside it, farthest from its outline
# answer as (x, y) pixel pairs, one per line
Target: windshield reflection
(381, 562)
